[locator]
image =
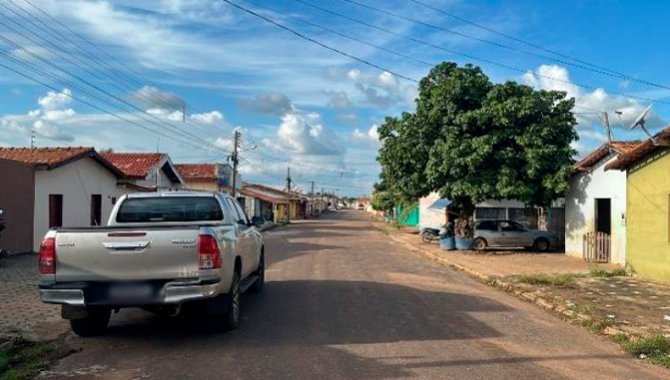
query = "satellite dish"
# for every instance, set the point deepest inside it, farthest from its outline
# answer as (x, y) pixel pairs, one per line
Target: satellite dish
(641, 120)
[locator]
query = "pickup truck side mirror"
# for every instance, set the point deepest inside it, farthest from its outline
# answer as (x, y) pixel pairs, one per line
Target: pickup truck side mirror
(257, 221)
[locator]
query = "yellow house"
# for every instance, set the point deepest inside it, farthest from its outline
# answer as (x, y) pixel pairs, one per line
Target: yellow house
(648, 206)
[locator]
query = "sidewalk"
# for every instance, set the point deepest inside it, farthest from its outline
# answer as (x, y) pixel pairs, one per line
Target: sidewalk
(594, 295)
(22, 313)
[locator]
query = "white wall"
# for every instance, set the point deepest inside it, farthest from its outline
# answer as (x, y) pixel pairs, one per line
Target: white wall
(164, 182)
(585, 187)
(76, 181)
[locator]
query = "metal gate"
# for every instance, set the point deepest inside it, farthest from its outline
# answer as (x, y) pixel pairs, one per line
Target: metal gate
(597, 247)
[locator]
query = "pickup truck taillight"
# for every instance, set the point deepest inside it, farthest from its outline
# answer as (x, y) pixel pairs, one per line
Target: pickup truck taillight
(209, 255)
(47, 257)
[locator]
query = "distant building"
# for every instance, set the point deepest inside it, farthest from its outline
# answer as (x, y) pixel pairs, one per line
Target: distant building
(209, 177)
(53, 187)
(145, 171)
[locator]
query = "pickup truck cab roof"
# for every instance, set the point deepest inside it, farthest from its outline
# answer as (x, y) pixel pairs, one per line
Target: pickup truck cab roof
(181, 193)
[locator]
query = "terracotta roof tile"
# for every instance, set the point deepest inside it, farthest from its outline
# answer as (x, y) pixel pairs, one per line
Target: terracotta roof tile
(198, 171)
(49, 157)
(621, 147)
(641, 151)
(134, 165)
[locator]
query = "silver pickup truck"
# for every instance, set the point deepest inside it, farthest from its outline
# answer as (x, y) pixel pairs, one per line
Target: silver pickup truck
(159, 251)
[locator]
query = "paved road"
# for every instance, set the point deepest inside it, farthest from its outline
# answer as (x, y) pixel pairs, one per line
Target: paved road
(342, 302)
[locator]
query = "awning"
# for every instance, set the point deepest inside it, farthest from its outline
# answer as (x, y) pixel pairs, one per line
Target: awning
(440, 204)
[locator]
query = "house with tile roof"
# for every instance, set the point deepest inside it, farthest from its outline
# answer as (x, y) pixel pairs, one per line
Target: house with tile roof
(269, 202)
(145, 171)
(209, 177)
(595, 206)
(43, 188)
(647, 171)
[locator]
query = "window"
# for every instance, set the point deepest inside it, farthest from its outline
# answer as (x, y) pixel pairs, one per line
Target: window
(487, 225)
(240, 216)
(55, 210)
(490, 213)
(509, 226)
(169, 209)
(526, 216)
(96, 209)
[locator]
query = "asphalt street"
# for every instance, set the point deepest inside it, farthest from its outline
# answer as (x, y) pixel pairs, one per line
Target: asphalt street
(344, 302)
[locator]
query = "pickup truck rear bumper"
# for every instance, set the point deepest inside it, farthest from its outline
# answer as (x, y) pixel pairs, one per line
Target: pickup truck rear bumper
(169, 294)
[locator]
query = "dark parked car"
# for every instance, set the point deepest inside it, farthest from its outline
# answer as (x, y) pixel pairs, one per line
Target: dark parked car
(509, 233)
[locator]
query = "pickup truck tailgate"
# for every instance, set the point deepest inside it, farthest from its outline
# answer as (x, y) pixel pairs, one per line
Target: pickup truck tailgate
(122, 254)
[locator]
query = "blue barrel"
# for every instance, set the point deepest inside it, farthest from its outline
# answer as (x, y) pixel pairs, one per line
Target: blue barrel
(447, 243)
(464, 244)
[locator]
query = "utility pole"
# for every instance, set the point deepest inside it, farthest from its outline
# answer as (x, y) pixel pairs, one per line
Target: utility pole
(288, 194)
(311, 194)
(322, 201)
(235, 160)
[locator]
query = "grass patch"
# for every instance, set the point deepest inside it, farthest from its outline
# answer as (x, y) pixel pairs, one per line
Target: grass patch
(21, 359)
(598, 272)
(559, 280)
(598, 325)
(656, 348)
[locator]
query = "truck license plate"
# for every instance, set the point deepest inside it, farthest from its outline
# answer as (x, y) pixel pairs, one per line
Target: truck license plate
(130, 291)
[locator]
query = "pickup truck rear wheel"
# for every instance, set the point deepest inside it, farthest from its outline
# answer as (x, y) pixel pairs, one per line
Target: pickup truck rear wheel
(231, 318)
(259, 284)
(94, 324)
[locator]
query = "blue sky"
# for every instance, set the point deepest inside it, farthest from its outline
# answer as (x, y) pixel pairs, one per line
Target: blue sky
(296, 103)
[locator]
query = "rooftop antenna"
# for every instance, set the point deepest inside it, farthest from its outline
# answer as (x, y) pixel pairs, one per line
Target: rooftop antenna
(604, 118)
(641, 120)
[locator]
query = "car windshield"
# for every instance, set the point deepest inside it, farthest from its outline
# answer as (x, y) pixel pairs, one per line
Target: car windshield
(169, 209)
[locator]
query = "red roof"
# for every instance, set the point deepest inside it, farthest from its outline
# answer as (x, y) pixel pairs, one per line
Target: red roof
(43, 156)
(620, 147)
(641, 151)
(134, 165)
(198, 171)
(51, 158)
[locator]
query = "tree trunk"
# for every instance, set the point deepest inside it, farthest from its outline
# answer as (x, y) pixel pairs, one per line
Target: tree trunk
(464, 222)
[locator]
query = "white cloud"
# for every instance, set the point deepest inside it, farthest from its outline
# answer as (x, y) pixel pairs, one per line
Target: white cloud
(338, 99)
(305, 134)
(55, 100)
(371, 135)
(273, 103)
(587, 103)
(51, 131)
(152, 98)
(381, 90)
(208, 117)
(58, 114)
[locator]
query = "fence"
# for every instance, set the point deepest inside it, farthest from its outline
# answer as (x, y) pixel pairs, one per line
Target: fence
(597, 247)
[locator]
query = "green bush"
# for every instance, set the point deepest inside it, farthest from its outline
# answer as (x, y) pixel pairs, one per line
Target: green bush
(656, 348)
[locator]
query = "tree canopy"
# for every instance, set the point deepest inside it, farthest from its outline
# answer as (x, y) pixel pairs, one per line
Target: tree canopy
(471, 140)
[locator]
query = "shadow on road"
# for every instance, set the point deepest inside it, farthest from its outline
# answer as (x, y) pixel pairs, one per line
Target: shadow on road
(303, 329)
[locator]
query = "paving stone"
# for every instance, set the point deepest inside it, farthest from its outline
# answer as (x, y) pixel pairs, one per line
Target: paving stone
(21, 311)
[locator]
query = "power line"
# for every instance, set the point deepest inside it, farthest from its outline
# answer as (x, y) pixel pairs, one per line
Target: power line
(45, 84)
(133, 86)
(314, 41)
(470, 56)
(97, 88)
(533, 45)
(503, 46)
(343, 35)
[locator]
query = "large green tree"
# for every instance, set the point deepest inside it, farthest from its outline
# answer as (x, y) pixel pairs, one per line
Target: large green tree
(473, 140)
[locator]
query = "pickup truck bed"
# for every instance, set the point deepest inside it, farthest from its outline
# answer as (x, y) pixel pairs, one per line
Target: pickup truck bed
(158, 250)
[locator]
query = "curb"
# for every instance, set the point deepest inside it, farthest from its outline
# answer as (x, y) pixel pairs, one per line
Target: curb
(519, 291)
